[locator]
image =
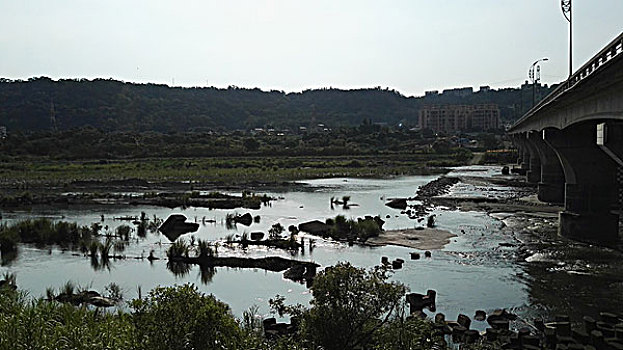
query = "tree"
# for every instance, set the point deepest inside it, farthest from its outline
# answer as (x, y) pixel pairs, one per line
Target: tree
(250, 144)
(182, 318)
(350, 305)
(275, 231)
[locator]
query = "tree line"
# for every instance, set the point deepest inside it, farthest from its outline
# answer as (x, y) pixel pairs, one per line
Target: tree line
(111, 105)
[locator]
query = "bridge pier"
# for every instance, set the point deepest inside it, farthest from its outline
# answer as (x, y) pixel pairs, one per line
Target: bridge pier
(552, 181)
(590, 174)
(533, 175)
(524, 153)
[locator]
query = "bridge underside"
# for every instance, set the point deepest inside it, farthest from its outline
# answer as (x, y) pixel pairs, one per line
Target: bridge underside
(571, 145)
(581, 167)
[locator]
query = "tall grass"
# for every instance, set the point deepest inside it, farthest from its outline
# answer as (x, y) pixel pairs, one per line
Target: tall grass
(43, 232)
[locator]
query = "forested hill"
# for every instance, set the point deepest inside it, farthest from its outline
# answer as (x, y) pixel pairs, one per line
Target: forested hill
(115, 105)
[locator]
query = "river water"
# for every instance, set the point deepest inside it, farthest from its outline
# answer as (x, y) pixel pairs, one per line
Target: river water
(487, 266)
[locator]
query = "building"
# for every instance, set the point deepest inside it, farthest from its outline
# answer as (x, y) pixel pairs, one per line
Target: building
(455, 118)
(459, 92)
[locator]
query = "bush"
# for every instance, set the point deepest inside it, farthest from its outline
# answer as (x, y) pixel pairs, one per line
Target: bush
(182, 318)
(349, 306)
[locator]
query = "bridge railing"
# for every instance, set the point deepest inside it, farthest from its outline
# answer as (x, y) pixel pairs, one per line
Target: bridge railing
(610, 51)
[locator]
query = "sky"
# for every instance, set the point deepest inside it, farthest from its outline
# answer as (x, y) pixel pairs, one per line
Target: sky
(408, 45)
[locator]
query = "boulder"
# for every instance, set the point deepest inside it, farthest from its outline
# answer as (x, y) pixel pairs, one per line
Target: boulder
(397, 203)
(256, 236)
(175, 226)
(464, 320)
(245, 219)
(480, 315)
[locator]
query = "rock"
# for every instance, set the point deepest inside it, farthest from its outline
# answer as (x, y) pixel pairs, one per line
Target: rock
(427, 254)
(384, 260)
(397, 203)
(580, 336)
(388, 216)
(531, 340)
(256, 236)
(480, 315)
(457, 333)
(471, 336)
(501, 314)
(609, 318)
(396, 264)
(440, 318)
(500, 324)
(562, 328)
(415, 256)
(432, 296)
(505, 170)
(245, 219)
(418, 301)
(315, 227)
(492, 334)
(589, 323)
(464, 320)
(175, 226)
(606, 329)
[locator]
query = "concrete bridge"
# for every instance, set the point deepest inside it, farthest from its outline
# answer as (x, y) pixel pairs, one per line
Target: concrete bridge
(571, 145)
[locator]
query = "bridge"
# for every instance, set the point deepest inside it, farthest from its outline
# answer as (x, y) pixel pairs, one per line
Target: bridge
(571, 145)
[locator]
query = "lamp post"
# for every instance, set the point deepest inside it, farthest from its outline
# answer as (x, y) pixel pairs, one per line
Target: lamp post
(565, 5)
(535, 76)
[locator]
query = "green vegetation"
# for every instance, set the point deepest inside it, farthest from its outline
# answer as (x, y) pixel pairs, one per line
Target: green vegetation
(183, 318)
(201, 172)
(360, 229)
(114, 105)
(352, 308)
(44, 232)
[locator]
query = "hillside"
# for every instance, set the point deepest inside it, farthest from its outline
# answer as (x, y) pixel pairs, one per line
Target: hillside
(112, 105)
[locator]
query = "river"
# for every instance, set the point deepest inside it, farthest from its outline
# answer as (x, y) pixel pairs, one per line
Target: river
(489, 265)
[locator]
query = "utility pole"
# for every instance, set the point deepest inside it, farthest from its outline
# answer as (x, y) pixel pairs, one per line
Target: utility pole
(535, 76)
(565, 5)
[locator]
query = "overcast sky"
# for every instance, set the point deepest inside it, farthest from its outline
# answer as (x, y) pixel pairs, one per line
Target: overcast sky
(408, 45)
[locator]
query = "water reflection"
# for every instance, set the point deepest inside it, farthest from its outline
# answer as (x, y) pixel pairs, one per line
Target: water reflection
(179, 269)
(206, 273)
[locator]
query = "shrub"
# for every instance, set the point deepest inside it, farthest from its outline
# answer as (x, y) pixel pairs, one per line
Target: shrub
(180, 317)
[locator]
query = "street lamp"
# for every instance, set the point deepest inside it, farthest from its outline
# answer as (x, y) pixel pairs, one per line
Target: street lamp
(535, 76)
(565, 5)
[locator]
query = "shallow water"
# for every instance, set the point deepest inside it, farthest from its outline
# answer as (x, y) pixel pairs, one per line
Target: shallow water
(472, 272)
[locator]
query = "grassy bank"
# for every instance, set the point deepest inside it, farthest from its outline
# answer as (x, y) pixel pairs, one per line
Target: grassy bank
(17, 174)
